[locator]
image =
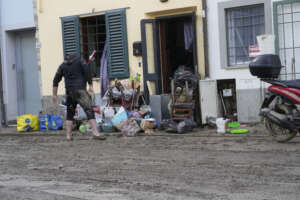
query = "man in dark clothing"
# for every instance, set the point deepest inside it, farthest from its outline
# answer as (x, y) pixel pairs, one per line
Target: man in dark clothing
(76, 74)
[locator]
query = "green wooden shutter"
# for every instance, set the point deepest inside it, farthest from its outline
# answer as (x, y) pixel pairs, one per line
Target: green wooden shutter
(116, 36)
(70, 34)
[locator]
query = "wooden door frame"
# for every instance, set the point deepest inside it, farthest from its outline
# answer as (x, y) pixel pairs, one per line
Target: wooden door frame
(162, 56)
(156, 76)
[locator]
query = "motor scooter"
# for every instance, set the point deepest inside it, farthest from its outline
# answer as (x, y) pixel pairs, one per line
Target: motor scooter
(281, 107)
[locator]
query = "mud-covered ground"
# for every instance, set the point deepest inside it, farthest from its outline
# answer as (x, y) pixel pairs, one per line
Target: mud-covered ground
(192, 166)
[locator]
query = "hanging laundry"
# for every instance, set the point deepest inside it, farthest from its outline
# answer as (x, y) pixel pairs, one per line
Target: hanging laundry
(188, 35)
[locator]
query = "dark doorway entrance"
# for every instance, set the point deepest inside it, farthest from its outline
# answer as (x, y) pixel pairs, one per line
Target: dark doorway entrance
(177, 40)
(169, 44)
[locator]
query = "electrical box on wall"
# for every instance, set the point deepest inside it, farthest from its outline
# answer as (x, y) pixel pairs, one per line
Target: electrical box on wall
(137, 48)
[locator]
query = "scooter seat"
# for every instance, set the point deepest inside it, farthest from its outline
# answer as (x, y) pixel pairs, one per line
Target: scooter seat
(287, 84)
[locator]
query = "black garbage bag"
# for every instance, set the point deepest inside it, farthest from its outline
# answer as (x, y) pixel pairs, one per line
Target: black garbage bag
(163, 124)
(169, 126)
(187, 125)
(187, 76)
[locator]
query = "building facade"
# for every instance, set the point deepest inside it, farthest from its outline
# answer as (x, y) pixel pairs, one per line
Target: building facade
(20, 74)
(152, 38)
(232, 27)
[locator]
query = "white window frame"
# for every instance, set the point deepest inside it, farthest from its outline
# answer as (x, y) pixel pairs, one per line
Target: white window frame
(222, 6)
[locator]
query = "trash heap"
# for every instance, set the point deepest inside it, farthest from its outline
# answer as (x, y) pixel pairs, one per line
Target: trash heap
(123, 109)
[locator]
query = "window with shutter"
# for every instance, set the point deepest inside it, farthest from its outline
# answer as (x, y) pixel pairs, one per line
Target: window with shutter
(116, 39)
(93, 37)
(70, 34)
(116, 33)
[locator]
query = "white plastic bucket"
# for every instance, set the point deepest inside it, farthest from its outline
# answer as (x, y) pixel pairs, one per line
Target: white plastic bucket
(221, 125)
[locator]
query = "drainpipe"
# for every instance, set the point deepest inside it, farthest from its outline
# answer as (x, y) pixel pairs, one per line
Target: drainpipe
(205, 38)
(2, 106)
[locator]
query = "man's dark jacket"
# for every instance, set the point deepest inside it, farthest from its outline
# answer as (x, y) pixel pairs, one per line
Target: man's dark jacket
(75, 72)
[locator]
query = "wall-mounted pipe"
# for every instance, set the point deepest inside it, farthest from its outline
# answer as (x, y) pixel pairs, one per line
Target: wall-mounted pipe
(205, 38)
(2, 105)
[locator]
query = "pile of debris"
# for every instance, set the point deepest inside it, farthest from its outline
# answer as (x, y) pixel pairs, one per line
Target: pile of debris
(123, 108)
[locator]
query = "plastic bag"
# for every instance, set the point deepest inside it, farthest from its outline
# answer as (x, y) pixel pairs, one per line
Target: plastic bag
(129, 128)
(185, 126)
(109, 113)
(44, 122)
(99, 118)
(146, 108)
(133, 114)
(171, 126)
(55, 122)
(128, 93)
(107, 128)
(26, 123)
(164, 124)
(51, 122)
(119, 117)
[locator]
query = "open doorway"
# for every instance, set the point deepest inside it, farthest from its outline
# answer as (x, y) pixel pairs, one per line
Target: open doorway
(177, 40)
(169, 44)
(169, 48)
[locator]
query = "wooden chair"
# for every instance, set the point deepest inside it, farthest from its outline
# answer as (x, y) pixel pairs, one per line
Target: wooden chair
(182, 104)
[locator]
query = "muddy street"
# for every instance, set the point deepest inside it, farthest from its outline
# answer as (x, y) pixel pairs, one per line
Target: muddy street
(157, 167)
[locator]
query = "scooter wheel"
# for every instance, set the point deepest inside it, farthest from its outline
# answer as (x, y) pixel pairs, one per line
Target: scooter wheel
(278, 133)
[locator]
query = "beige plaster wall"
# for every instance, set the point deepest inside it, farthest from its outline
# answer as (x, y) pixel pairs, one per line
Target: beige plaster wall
(50, 36)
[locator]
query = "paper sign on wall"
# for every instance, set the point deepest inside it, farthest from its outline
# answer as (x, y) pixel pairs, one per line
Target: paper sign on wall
(254, 51)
